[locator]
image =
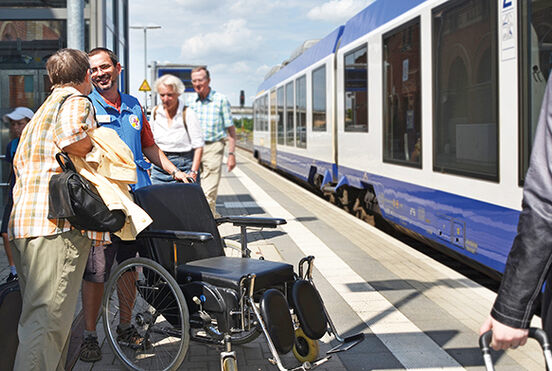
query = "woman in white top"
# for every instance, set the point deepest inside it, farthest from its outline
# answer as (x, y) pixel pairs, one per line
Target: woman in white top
(181, 140)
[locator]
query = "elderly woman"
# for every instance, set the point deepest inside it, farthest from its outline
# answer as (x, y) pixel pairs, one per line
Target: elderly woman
(176, 130)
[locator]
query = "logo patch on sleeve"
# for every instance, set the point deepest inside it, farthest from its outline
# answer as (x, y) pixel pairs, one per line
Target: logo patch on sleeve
(134, 122)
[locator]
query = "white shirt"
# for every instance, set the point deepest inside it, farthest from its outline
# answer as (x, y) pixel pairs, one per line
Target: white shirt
(175, 138)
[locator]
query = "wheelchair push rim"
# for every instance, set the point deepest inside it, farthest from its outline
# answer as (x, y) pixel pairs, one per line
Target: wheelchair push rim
(159, 315)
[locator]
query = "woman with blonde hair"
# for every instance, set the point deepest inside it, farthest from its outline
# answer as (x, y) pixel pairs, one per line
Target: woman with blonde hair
(176, 130)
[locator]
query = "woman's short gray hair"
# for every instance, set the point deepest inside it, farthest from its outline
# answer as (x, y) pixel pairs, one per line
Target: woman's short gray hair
(170, 80)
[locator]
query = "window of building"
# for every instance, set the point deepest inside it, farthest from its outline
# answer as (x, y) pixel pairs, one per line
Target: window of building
(109, 13)
(356, 90)
(301, 112)
(535, 64)
(319, 99)
(19, 40)
(402, 128)
(280, 129)
(290, 125)
(121, 16)
(465, 124)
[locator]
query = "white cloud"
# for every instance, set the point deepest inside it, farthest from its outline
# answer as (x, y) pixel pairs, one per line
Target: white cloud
(232, 38)
(337, 10)
(194, 5)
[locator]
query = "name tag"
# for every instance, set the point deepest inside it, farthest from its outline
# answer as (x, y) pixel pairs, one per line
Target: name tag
(103, 119)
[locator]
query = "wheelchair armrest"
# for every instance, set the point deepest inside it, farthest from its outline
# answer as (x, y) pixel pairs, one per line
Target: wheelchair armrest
(247, 221)
(176, 235)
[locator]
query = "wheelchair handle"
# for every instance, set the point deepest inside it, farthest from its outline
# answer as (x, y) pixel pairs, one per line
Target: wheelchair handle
(308, 260)
(534, 333)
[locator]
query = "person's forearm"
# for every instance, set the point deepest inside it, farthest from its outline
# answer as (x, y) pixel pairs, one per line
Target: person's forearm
(198, 152)
(157, 157)
(231, 139)
(80, 148)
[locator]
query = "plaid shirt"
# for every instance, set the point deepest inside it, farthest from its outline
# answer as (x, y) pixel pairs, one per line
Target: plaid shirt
(50, 130)
(214, 115)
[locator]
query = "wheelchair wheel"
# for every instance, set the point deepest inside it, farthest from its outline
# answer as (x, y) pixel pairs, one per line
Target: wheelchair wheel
(159, 334)
(229, 364)
(246, 336)
(305, 349)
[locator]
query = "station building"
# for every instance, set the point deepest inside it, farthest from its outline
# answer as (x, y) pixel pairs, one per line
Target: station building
(31, 31)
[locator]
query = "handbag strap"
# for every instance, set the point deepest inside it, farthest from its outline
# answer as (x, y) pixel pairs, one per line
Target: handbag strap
(62, 158)
(65, 162)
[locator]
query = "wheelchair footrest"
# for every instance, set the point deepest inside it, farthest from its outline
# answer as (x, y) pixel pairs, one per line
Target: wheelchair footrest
(347, 343)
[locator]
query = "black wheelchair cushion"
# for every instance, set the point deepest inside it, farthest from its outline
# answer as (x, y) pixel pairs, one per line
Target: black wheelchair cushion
(181, 207)
(275, 313)
(224, 271)
(309, 309)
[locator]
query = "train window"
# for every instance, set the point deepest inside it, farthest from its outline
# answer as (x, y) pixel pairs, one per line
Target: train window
(535, 64)
(254, 115)
(465, 101)
(265, 113)
(301, 112)
(401, 87)
(273, 111)
(280, 115)
(356, 90)
(290, 127)
(319, 99)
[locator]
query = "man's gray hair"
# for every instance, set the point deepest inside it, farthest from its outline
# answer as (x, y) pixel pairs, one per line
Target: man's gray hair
(67, 67)
(170, 80)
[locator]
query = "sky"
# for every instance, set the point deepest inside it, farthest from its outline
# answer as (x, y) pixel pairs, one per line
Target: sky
(239, 40)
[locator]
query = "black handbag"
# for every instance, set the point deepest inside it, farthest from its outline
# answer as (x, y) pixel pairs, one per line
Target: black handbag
(74, 198)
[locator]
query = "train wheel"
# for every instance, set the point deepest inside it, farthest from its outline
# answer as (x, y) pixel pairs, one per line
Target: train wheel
(305, 349)
(343, 197)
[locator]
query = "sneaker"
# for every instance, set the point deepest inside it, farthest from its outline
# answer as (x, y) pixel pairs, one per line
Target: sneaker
(90, 350)
(131, 338)
(12, 277)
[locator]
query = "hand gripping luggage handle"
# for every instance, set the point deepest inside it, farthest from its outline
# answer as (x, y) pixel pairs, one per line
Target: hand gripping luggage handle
(535, 333)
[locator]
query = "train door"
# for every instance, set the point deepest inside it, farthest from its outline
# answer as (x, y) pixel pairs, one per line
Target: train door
(535, 66)
(273, 128)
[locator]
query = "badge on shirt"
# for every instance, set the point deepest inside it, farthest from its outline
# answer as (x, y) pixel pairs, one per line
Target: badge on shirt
(134, 122)
(103, 119)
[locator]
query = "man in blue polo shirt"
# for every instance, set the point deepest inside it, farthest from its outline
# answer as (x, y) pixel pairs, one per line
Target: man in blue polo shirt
(124, 114)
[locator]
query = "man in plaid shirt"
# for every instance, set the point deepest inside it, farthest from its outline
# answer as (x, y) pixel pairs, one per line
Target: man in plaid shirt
(49, 254)
(213, 112)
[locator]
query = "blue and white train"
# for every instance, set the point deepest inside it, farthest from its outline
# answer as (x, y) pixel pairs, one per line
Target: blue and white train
(422, 111)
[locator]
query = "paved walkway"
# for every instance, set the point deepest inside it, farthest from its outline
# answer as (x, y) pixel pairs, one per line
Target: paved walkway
(414, 312)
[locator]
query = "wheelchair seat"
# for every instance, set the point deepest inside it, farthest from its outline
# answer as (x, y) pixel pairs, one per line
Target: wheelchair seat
(184, 207)
(226, 272)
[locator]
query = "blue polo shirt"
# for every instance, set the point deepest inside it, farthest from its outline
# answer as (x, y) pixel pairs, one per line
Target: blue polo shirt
(128, 125)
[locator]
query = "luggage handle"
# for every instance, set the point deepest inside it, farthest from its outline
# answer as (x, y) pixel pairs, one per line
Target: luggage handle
(534, 333)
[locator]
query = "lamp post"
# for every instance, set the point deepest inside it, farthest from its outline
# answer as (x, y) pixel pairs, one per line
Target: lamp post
(145, 28)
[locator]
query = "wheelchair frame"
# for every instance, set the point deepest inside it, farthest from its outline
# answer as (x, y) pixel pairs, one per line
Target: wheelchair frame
(251, 320)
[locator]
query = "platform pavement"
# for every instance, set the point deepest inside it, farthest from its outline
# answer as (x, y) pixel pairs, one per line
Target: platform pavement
(459, 306)
(201, 357)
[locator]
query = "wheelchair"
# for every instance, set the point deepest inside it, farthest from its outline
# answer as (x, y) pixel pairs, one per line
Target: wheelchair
(185, 288)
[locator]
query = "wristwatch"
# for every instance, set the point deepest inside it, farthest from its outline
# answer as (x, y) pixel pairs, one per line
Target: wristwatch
(174, 172)
(194, 172)
(231, 153)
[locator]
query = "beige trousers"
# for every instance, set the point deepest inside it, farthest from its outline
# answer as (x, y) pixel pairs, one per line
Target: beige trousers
(211, 165)
(50, 272)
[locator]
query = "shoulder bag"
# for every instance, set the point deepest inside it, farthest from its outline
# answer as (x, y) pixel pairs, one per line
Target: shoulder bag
(74, 198)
